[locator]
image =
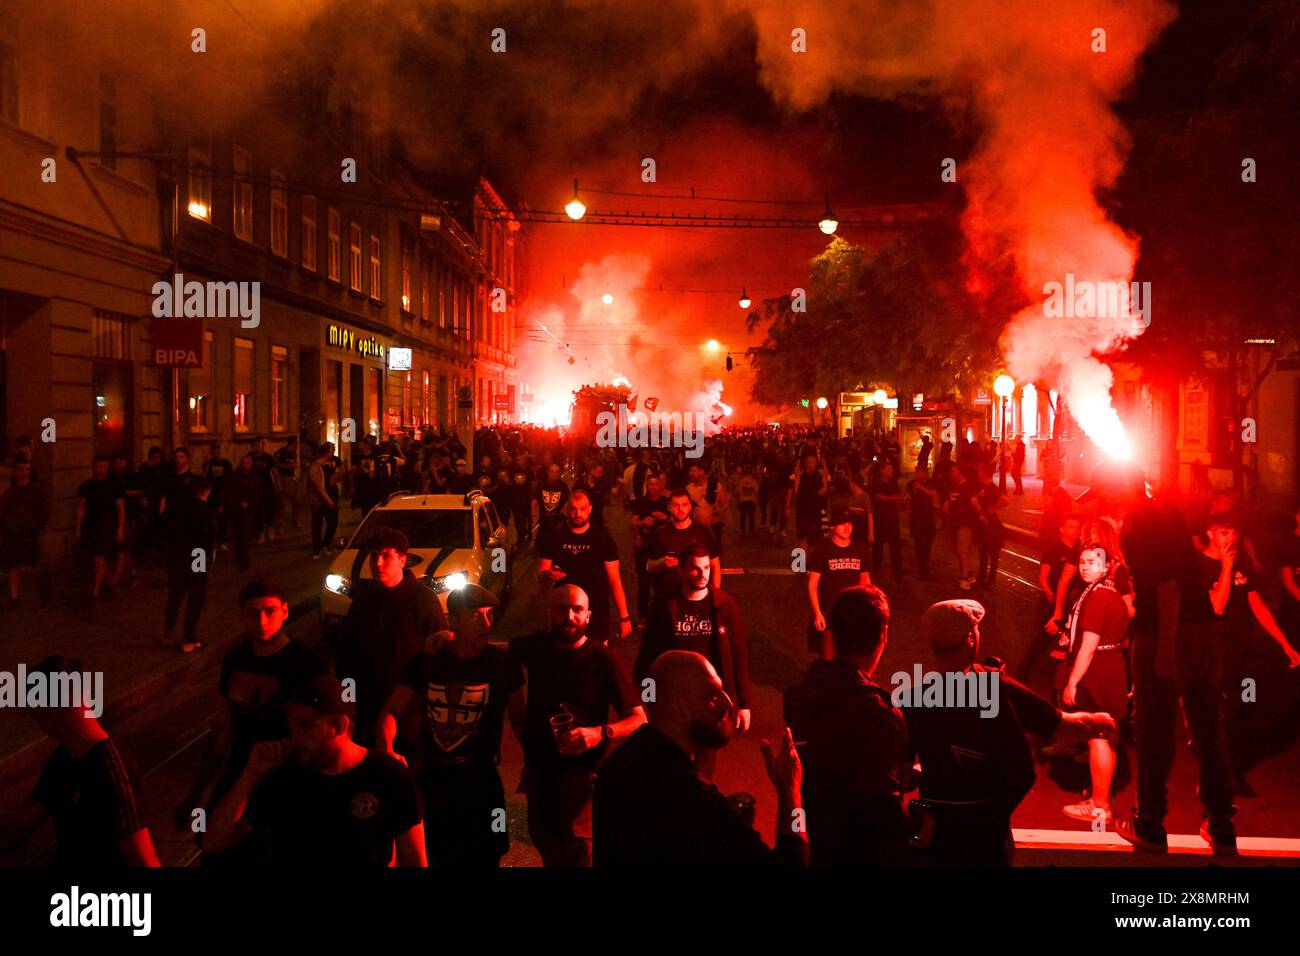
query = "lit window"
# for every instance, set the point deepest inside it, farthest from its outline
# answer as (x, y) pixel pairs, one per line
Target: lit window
(354, 256)
(424, 291)
(375, 287)
(309, 232)
(243, 404)
(200, 386)
(406, 279)
(200, 184)
(243, 192)
(335, 246)
(279, 216)
(279, 387)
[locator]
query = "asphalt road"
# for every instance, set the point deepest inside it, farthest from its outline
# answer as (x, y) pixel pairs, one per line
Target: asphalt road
(166, 737)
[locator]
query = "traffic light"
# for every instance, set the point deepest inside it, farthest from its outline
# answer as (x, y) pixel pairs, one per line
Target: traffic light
(728, 363)
(803, 402)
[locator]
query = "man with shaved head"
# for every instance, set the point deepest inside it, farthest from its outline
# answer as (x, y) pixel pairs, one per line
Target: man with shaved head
(579, 700)
(651, 807)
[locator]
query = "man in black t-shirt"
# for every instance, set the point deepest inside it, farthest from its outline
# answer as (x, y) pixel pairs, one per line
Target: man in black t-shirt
(462, 691)
(580, 701)
(673, 538)
(587, 556)
(217, 469)
(552, 495)
(321, 799)
(256, 675)
(597, 487)
(264, 468)
(1058, 571)
(101, 522)
(886, 500)
(836, 563)
(1175, 655)
(923, 501)
(649, 514)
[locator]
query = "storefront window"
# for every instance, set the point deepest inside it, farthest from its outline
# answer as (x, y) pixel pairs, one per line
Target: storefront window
(374, 399)
(243, 402)
(200, 386)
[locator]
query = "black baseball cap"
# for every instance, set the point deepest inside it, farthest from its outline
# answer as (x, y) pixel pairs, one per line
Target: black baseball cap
(840, 516)
(323, 694)
(1115, 476)
(471, 597)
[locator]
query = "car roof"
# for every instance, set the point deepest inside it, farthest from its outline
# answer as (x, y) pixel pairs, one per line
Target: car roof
(436, 502)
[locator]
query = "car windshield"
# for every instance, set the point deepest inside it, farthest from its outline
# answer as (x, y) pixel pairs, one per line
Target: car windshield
(426, 529)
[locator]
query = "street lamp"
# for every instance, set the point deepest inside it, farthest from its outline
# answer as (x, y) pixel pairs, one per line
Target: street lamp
(744, 298)
(712, 345)
(607, 299)
(1003, 386)
(822, 403)
(880, 396)
(575, 207)
(828, 223)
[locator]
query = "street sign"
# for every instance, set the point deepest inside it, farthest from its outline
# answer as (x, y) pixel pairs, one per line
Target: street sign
(178, 343)
(982, 397)
(399, 360)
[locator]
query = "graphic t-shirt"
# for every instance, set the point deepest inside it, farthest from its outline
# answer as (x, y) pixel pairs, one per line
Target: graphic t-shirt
(839, 568)
(552, 497)
(582, 558)
(747, 489)
(463, 701)
(1237, 617)
(692, 625)
(339, 821)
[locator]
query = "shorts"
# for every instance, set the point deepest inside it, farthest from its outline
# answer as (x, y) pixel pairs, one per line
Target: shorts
(18, 549)
(1104, 689)
(100, 542)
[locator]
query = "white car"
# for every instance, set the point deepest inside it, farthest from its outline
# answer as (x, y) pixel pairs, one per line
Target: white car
(455, 540)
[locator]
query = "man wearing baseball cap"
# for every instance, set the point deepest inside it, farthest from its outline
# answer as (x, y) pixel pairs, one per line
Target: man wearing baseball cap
(976, 765)
(1175, 654)
(322, 799)
(835, 564)
(463, 689)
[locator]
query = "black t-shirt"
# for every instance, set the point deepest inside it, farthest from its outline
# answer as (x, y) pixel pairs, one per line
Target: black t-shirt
(286, 461)
(463, 700)
(808, 493)
(341, 821)
(885, 511)
(669, 539)
(839, 568)
(588, 682)
(1237, 617)
(1158, 548)
(179, 490)
(101, 502)
(689, 625)
(521, 490)
(582, 558)
(643, 508)
(552, 497)
(254, 688)
(922, 504)
(91, 802)
(263, 463)
(1056, 556)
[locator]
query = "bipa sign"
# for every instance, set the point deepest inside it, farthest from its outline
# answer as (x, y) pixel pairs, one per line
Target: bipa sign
(178, 343)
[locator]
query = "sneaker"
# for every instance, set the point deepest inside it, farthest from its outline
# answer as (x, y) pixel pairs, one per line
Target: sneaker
(1222, 838)
(1087, 811)
(1140, 837)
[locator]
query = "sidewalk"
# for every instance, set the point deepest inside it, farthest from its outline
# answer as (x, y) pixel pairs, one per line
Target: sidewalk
(123, 638)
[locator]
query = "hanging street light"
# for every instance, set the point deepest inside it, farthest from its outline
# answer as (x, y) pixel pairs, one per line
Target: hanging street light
(744, 298)
(828, 223)
(575, 207)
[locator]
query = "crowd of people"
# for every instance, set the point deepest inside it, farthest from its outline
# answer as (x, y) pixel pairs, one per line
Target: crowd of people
(383, 744)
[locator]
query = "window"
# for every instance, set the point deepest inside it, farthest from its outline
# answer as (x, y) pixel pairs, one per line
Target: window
(200, 188)
(442, 299)
(354, 256)
(309, 233)
(455, 308)
(424, 291)
(375, 288)
(8, 83)
(200, 386)
(243, 407)
(107, 121)
(406, 279)
(279, 216)
(373, 394)
(279, 388)
(335, 253)
(243, 193)
(111, 336)
(426, 409)
(408, 411)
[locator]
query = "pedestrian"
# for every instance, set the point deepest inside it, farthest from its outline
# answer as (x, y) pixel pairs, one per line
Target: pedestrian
(598, 488)
(256, 675)
(86, 789)
(807, 494)
(963, 523)
(707, 621)
(1058, 570)
(192, 535)
(579, 702)
(747, 496)
(101, 523)
(652, 807)
(923, 504)
(709, 498)
(551, 498)
(923, 456)
(671, 539)
(649, 514)
(587, 556)
(217, 469)
(991, 533)
(241, 498)
(462, 693)
(24, 511)
(323, 800)
(322, 498)
(1176, 655)
(886, 499)
(264, 469)
(389, 623)
(286, 468)
(837, 562)
(1018, 463)
(852, 741)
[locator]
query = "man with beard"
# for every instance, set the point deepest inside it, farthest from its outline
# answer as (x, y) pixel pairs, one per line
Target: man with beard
(463, 690)
(706, 621)
(673, 538)
(649, 514)
(588, 557)
(322, 800)
(651, 807)
(389, 624)
(579, 701)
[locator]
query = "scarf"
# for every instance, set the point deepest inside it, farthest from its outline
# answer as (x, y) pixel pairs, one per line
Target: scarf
(1068, 639)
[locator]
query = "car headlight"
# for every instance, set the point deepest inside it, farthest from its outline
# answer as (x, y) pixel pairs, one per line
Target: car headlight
(450, 582)
(338, 584)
